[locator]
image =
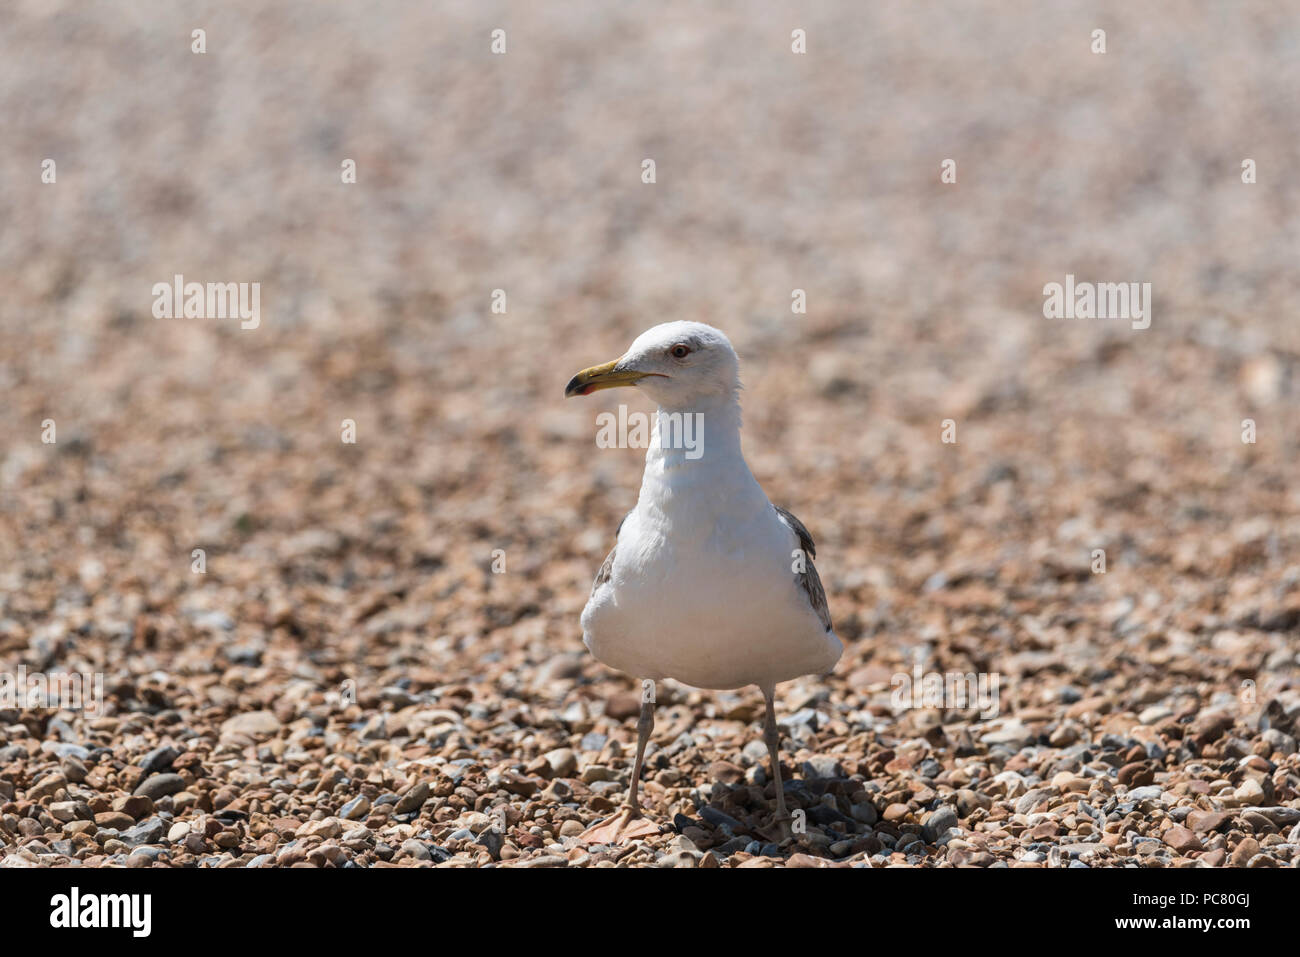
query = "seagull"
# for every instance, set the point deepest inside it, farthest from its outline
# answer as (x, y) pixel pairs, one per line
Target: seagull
(708, 583)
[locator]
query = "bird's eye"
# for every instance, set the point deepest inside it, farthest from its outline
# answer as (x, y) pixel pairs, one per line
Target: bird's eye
(679, 351)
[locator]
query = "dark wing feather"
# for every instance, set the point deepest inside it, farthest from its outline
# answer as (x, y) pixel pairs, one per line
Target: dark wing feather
(607, 567)
(809, 579)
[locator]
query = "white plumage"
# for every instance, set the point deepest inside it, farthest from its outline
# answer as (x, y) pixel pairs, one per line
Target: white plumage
(708, 584)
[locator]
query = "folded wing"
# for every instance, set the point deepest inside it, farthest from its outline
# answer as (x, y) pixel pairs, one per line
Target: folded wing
(809, 580)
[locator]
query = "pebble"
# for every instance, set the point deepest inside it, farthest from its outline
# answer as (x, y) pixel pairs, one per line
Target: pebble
(326, 828)
(71, 810)
(355, 809)
(255, 724)
(1033, 798)
(725, 772)
(562, 762)
(148, 832)
(1150, 793)
(114, 820)
(1182, 840)
(46, 786)
(824, 767)
(937, 823)
(492, 840)
(865, 813)
(897, 811)
(1013, 733)
(413, 799)
(159, 759)
(1203, 821)
(160, 785)
(1245, 850)
(720, 818)
(415, 849)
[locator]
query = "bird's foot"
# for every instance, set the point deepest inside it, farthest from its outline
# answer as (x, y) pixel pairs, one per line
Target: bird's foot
(777, 831)
(627, 825)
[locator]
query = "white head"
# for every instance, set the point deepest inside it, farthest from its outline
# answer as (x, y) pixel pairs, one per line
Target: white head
(679, 365)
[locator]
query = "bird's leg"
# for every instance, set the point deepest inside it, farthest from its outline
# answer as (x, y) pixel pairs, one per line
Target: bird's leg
(773, 738)
(622, 828)
(645, 724)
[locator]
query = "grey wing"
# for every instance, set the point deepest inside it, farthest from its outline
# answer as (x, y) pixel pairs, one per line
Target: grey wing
(809, 580)
(607, 567)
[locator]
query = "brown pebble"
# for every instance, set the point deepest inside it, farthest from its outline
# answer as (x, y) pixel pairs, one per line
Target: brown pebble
(896, 812)
(1182, 839)
(726, 772)
(1136, 775)
(1241, 854)
(1206, 821)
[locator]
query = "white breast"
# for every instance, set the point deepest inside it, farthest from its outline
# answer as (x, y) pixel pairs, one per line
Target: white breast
(702, 588)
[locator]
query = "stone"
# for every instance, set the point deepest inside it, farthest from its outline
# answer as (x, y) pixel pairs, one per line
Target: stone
(823, 767)
(720, 818)
(139, 806)
(1136, 774)
(1013, 734)
(937, 823)
(1149, 793)
(255, 724)
(160, 785)
(159, 759)
(518, 784)
(114, 820)
(1031, 799)
(47, 786)
(1182, 839)
(1281, 816)
(1206, 821)
(492, 840)
(413, 799)
(623, 705)
(355, 809)
(562, 762)
(1096, 705)
(725, 772)
(1279, 741)
(1210, 727)
(1250, 792)
(325, 829)
(71, 811)
(679, 859)
(865, 813)
(415, 849)
(969, 858)
(147, 832)
(896, 812)
(968, 801)
(1246, 849)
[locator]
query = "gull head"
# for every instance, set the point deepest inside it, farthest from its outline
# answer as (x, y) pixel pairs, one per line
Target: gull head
(677, 364)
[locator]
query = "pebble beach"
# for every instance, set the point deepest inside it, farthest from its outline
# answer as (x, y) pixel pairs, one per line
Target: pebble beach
(323, 653)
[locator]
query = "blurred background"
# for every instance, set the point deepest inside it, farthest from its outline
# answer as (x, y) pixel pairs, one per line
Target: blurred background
(522, 172)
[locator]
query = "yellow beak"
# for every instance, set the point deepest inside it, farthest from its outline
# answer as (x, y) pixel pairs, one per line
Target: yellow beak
(601, 377)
